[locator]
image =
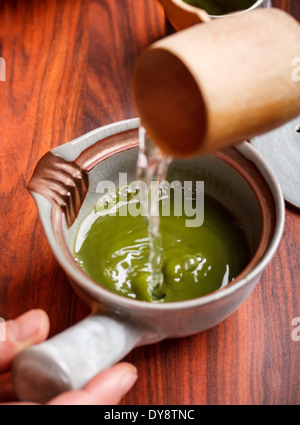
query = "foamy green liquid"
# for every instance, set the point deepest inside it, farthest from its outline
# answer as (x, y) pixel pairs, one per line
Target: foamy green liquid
(114, 251)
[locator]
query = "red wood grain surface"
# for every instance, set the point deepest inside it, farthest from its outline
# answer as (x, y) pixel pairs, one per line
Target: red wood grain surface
(68, 70)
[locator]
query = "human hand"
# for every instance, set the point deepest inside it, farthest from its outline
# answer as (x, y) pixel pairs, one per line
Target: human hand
(32, 327)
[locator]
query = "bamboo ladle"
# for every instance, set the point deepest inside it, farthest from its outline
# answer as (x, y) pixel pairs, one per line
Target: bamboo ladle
(215, 84)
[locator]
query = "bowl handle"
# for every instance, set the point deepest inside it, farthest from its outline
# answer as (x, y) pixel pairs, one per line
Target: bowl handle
(70, 359)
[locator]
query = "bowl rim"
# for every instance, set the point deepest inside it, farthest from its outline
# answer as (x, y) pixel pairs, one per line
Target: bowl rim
(103, 295)
(238, 12)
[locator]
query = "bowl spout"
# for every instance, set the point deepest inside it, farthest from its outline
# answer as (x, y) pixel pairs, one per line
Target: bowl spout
(63, 183)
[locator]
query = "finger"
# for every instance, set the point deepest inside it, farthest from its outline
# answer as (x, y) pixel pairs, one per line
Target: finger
(30, 328)
(108, 387)
(6, 389)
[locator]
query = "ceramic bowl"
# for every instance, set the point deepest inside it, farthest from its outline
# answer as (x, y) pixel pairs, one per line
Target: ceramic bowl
(64, 187)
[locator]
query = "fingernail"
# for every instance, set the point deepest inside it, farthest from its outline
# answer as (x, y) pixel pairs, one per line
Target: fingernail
(25, 327)
(128, 380)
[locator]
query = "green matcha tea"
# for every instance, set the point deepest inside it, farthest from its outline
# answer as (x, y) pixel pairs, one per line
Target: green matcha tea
(221, 7)
(113, 249)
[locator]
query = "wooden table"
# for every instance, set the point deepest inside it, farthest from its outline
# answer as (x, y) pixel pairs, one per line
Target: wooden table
(69, 68)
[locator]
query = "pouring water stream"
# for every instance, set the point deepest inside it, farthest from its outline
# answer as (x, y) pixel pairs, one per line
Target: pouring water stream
(152, 168)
